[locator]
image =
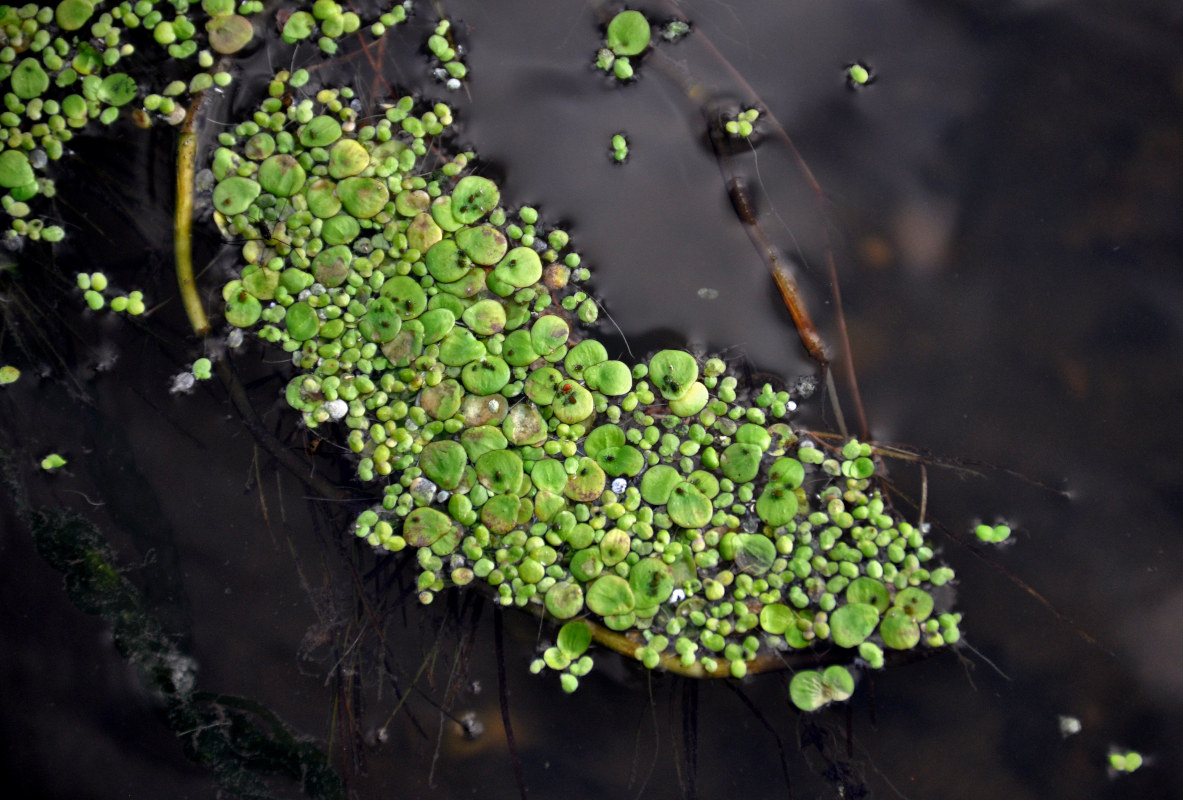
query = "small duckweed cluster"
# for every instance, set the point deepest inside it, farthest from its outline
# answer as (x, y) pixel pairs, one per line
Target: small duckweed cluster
(742, 126)
(94, 287)
(859, 75)
(627, 36)
(450, 340)
(1124, 761)
(52, 462)
(674, 30)
(992, 534)
(810, 690)
(62, 67)
(452, 70)
(619, 148)
(327, 22)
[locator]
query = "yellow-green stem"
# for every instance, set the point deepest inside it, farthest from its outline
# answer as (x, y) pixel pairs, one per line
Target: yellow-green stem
(183, 226)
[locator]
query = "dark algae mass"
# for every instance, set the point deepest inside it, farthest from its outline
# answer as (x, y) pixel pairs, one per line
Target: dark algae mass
(578, 399)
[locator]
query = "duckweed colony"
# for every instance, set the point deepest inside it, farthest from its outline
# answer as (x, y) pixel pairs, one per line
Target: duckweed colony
(62, 68)
(450, 338)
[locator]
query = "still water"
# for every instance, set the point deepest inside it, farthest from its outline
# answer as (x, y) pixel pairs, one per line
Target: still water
(1004, 205)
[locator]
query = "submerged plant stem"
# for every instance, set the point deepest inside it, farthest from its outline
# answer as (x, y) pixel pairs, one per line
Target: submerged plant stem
(183, 222)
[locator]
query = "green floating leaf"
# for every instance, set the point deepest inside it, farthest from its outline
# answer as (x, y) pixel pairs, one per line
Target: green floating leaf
(301, 321)
(915, 602)
(28, 79)
(299, 26)
(689, 507)
(500, 471)
(243, 309)
(852, 623)
(520, 268)
(756, 553)
(230, 33)
(610, 595)
(320, 131)
(810, 690)
(15, 169)
(52, 461)
(425, 526)
(658, 484)
(899, 631)
(870, 591)
(564, 600)
(118, 89)
(348, 157)
(586, 484)
(235, 194)
(652, 582)
(362, 197)
(672, 372)
(73, 14)
(281, 175)
(775, 618)
(473, 198)
(485, 245)
(628, 33)
(777, 505)
(444, 462)
(574, 638)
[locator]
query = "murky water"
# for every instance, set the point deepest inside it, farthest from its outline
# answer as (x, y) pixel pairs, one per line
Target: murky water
(1004, 204)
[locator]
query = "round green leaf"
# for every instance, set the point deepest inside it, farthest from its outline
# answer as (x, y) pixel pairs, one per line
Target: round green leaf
(73, 14)
(15, 169)
(424, 526)
(628, 33)
(229, 33)
(672, 372)
(564, 600)
(850, 624)
(28, 79)
(301, 321)
(363, 197)
(652, 582)
(281, 175)
(520, 268)
(473, 198)
(610, 595)
(444, 462)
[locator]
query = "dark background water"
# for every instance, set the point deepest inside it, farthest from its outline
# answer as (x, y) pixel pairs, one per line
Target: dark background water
(1006, 208)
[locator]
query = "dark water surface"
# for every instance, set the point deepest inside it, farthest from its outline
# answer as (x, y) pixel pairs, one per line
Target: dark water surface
(1005, 204)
